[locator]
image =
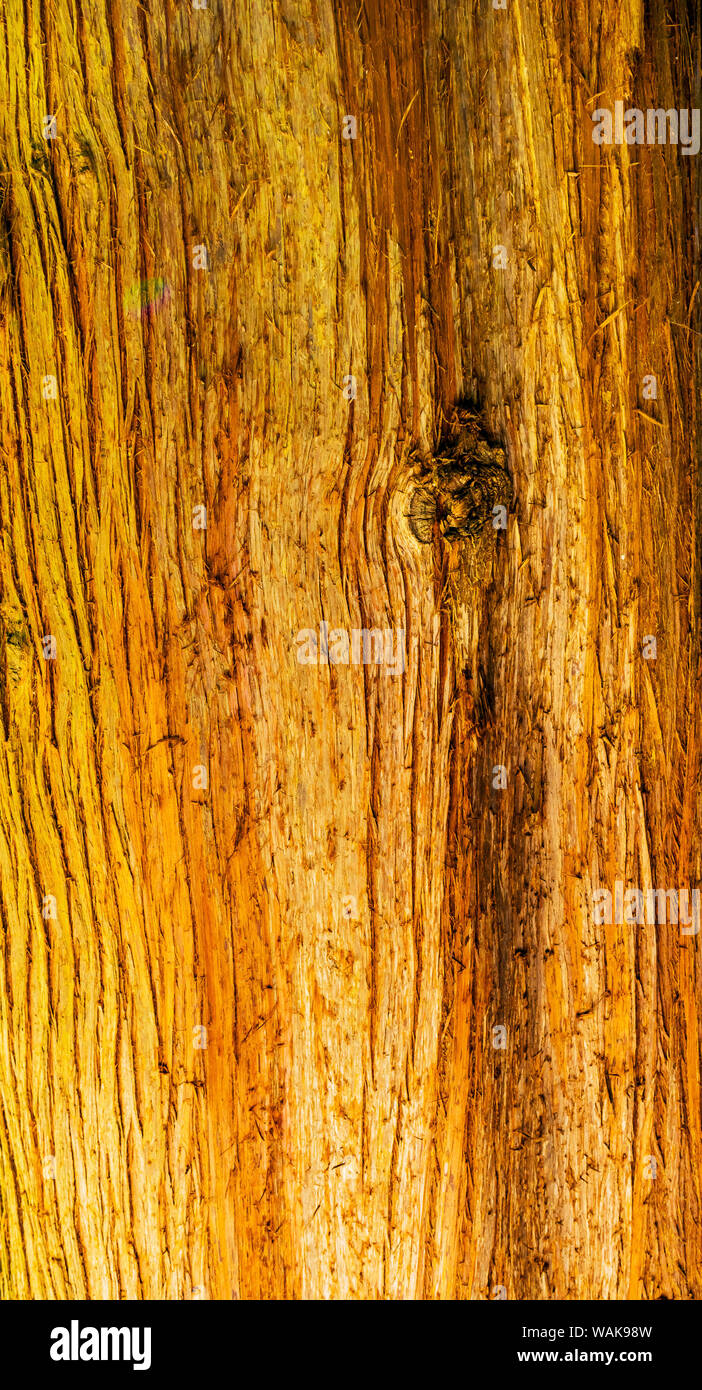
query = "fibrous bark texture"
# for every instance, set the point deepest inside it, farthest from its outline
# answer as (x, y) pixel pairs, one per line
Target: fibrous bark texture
(302, 992)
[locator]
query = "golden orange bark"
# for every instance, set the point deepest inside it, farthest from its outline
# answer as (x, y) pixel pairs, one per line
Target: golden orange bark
(259, 918)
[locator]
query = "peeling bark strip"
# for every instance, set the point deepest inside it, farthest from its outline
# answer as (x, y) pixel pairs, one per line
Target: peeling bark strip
(301, 990)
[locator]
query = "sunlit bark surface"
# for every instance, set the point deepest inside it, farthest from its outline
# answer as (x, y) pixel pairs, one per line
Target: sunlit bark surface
(260, 919)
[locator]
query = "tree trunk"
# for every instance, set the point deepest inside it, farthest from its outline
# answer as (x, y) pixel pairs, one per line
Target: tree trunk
(262, 918)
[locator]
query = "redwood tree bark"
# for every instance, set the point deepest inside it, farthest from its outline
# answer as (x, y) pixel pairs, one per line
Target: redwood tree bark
(261, 919)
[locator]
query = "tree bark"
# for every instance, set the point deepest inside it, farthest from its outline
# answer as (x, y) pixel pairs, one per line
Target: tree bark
(261, 919)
